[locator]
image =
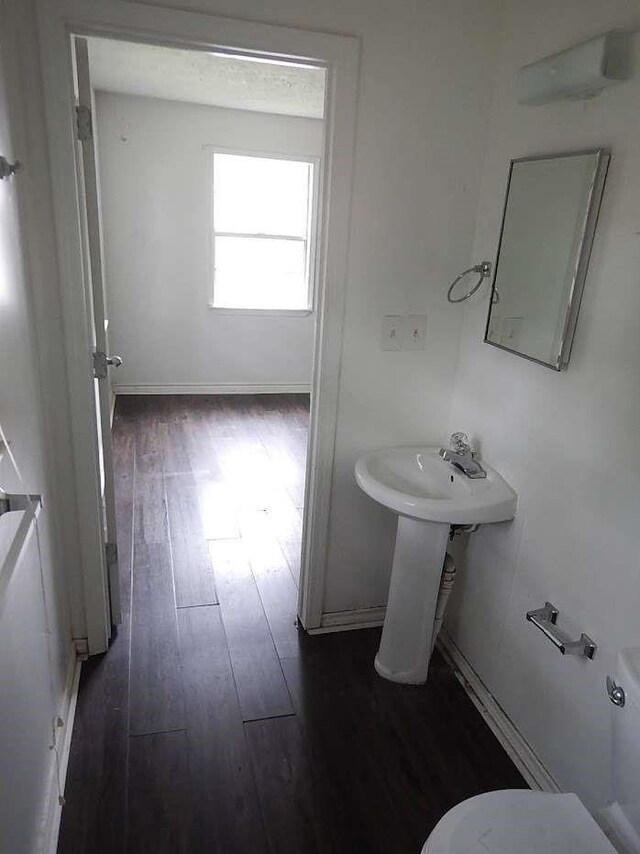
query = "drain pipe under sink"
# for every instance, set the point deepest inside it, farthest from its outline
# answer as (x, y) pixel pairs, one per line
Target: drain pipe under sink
(446, 586)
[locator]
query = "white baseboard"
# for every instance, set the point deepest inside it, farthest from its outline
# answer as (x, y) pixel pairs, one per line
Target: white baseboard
(216, 388)
(343, 621)
(58, 775)
(518, 749)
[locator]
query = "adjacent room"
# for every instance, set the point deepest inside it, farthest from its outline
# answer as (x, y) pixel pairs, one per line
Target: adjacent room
(208, 187)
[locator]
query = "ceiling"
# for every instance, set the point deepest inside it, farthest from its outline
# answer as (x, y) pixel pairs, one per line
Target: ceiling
(199, 77)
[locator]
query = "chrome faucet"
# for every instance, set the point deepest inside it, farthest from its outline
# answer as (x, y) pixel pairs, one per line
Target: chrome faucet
(460, 455)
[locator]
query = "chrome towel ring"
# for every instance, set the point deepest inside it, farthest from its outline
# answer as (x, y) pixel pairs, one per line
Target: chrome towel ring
(484, 269)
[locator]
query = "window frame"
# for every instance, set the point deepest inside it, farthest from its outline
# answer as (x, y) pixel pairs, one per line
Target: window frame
(313, 208)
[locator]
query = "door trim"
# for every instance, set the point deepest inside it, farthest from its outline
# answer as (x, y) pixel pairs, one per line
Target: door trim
(340, 55)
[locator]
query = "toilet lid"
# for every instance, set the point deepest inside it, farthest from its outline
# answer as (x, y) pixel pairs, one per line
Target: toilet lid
(518, 821)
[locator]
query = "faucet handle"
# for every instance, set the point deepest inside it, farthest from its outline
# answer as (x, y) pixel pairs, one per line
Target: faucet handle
(459, 442)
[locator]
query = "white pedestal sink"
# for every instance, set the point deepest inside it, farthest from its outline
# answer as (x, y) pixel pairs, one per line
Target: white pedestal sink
(429, 495)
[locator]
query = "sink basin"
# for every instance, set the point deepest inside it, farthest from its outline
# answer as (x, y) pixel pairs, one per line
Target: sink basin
(429, 495)
(417, 482)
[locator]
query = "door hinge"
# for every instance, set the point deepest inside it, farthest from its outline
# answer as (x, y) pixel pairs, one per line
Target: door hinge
(83, 124)
(100, 370)
(111, 551)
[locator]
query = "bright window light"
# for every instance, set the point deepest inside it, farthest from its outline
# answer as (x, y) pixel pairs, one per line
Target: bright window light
(262, 226)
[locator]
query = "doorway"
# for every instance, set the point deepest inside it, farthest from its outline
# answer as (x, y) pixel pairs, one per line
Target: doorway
(207, 175)
(338, 55)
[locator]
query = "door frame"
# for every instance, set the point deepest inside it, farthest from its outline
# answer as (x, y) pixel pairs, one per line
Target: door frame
(147, 23)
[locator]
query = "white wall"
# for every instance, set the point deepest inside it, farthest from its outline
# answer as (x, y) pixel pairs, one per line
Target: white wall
(565, 441)
(35, 631)
(156, 202)
(424, 93)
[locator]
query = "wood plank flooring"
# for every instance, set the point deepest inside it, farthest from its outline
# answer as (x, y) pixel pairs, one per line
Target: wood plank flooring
(214, 724)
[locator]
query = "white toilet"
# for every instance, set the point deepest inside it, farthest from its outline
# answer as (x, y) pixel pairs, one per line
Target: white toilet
(518, 821)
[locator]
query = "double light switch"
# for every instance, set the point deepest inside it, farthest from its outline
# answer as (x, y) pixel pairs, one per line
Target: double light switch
(403, 332)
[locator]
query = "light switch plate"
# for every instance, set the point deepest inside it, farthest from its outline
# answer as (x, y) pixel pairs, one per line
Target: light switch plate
(392, 332)
(415, 332)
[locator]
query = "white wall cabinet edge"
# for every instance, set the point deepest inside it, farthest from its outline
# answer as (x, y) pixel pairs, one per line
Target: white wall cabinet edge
(16, 528)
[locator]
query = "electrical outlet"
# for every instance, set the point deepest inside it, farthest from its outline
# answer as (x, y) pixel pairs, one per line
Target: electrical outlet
(415, 332)
(392, 332)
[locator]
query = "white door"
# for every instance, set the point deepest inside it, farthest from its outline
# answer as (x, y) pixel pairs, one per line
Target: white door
(89, 190)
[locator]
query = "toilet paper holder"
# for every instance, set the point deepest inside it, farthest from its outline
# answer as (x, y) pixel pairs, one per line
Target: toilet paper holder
(545, 620)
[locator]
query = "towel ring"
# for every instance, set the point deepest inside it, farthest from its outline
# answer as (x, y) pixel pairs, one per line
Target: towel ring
(484, 269)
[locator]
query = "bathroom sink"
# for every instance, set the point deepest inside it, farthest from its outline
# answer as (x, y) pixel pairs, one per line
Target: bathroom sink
(429, 494)
(417, 482)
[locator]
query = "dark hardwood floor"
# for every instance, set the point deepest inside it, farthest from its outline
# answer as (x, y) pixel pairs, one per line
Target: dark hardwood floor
(213, 724)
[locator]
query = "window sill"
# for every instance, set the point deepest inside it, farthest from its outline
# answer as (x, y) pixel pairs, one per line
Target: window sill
(262, 312)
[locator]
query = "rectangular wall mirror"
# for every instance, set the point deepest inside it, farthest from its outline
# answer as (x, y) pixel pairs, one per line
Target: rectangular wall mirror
(549, 219)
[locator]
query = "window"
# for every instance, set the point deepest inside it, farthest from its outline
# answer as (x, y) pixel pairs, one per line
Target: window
(262, 229)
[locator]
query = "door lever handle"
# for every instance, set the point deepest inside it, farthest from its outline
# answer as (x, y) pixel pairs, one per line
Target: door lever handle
(101, 362)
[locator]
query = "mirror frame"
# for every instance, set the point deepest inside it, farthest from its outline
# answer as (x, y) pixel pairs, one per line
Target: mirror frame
(581, 266)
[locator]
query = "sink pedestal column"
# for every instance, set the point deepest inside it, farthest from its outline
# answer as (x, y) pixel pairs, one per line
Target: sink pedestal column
(418, 559)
